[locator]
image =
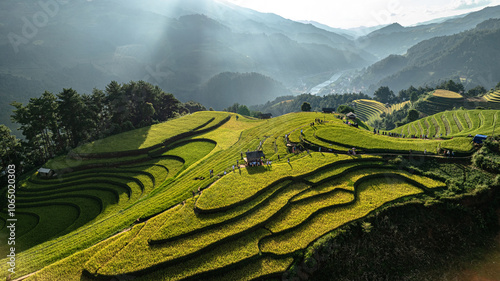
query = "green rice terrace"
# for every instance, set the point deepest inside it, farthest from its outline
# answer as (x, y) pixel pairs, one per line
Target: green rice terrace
(452, 124)
(370, 110)
(145, 204)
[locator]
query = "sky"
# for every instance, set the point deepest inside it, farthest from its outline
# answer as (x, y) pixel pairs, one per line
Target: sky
(356, 13)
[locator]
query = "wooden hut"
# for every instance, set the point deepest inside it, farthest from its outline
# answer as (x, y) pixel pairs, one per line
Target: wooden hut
(351, 116)
(266, 115)
(45, 173)
(254, 157)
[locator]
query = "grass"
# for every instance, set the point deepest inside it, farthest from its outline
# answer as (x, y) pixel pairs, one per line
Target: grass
(369, 141)
(457, 123)
(138, 214)
(493, 97)
(138, 255)
(348, 178)
(370, 110)
(371, 195)
(301, 211)
(233, 252)
(446, 94)
(441, 100)
(186, 220)
(252, 180)
(153, 135)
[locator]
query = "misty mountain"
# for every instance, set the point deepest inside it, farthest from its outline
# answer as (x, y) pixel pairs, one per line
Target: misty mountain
(396, 39)
(178, 45)
(228, 88)
(471, 57)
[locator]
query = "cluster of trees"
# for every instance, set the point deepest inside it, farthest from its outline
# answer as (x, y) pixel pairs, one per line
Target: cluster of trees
(53, 124)
(287, 104)
(243, 110)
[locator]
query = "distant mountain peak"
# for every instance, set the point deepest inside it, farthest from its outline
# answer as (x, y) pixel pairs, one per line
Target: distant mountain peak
(391, 28)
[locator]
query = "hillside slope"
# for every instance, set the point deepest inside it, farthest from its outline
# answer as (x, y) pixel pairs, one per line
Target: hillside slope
(149, 196)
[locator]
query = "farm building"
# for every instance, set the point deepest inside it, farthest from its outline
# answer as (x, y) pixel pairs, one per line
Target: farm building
(45, 173)
(479, 138)
(351, 116)
(328, 110)
(254, 157)
(266, 115)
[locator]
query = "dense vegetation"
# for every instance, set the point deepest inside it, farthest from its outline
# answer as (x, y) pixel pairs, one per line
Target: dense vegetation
(287, 104)
(53, 124)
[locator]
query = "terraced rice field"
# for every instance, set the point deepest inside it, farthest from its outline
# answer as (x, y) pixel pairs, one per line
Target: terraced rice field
(370, 110)
(441, 100)
(493, 97)
(149, 210)
(458, 123)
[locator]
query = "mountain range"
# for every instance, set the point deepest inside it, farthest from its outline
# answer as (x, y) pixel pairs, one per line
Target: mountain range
(469, 57)
(191, 48)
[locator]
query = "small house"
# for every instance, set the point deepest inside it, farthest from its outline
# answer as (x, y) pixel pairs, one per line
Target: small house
(45, 173)
(328, 110)
(479, 139)
(351, 116)
(254, 157)
(266, 115)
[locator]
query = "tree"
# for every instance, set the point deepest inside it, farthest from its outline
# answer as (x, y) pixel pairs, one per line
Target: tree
(306, 106)
(73, 116)
(413, 115)
(193, 106)
(475, 92)
(233, 108)
(450, 85)
(147, 112)
(344, 109)
(497, 87)
(414, 97)
(243, 110)
(9, 147)
(384, 94)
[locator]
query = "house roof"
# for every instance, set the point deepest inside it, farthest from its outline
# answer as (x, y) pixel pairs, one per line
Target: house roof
(255, 154)
(479, 138)
(350, 114)
(44, 170)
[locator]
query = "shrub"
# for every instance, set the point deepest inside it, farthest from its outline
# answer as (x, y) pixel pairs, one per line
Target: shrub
(345, 109)
(127, 126)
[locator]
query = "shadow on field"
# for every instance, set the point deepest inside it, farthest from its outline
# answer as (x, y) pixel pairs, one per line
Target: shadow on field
(256, 170)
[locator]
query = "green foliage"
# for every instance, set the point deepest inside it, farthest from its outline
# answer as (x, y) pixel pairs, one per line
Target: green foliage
(451, 85)
(384, 94)
(288, 104)
(54, 124)
(243, 110)
(305, 106)
(344, 109)
(193, 106)
(413, 115)
(476, 92)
